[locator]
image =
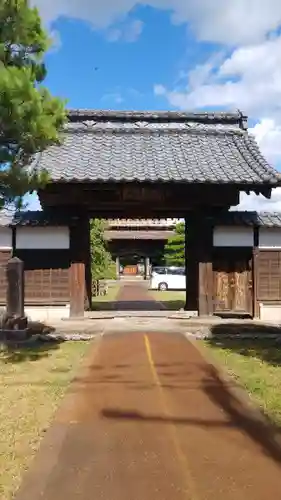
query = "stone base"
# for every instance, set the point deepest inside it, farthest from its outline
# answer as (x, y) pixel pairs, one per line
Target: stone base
(13, 335)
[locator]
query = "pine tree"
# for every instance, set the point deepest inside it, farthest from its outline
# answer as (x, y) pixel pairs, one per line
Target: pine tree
(30, 118)
(174, 252)
(102, 264)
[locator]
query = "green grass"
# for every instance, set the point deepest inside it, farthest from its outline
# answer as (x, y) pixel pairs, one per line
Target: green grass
(172, 300)
(33, 382)
(256, 364)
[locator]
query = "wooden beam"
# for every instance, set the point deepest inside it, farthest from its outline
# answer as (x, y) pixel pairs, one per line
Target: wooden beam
(255, 263)
(139, 199)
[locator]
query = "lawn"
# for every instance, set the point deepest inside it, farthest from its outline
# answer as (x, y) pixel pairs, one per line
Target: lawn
(256, 364)
(106, 302)
(32, 385)
(172, 300)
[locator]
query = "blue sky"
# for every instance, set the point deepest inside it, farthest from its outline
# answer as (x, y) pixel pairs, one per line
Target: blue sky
(169, 54)
(93, 71)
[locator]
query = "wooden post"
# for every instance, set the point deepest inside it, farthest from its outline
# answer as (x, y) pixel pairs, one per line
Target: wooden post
(198, 264)
(117, 262)
(147, 268)
(255, 263)
(206, 282)
(88, 261)
(78, 255)
(15, 287)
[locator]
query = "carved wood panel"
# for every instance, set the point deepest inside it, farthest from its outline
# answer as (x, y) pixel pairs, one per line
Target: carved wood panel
(241, 288)
(233, 284)
(222, 291)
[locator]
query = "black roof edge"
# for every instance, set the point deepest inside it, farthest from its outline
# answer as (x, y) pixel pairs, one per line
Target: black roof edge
(217, 117)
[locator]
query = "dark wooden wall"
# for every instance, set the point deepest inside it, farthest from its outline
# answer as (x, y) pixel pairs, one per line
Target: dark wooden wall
(269, 276)
(5, 255)
(46, 276)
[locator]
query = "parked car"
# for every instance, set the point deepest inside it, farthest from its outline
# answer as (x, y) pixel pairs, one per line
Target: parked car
(168, 278)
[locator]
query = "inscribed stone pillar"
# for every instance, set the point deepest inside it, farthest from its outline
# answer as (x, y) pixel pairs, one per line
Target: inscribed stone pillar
(15, 287)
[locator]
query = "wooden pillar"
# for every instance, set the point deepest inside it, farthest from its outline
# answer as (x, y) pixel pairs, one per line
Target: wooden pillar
(88, 262)
(255, 263)
(117, 263)
(79, 256)
(147, 268)
(199, 264)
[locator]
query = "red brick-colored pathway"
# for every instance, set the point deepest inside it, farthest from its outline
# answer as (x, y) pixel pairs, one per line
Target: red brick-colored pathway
(134, 296)
(152, 420)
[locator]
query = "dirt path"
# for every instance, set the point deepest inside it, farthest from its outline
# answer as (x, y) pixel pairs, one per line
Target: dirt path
(152, 420)
(135, 297)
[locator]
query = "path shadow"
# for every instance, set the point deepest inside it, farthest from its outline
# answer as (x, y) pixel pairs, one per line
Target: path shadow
(262, 341)
(138, 305)
(233, 413)
(36, 346)
(33, 351)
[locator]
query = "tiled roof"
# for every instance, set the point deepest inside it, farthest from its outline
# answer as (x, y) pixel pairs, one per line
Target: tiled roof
(100, 146)
(55, 218)
(236, 218)
(35, 218)
(142, 223)
(138, 235)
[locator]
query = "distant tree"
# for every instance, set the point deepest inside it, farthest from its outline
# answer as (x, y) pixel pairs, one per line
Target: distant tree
(30, 118)
(102, 265)
(174, 252)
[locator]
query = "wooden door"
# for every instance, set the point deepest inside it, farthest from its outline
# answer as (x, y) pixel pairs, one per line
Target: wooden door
(241, 286)
(222, 294)
(233, 283)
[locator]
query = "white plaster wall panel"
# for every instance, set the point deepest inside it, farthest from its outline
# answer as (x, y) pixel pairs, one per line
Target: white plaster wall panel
(225, 236)
(45, 313)
(44, 238)
(5, 238)
(270, 237)
(270, 312)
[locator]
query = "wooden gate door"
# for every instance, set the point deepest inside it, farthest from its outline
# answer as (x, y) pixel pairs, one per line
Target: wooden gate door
(233, 282)
(222, 296)
(241, 279)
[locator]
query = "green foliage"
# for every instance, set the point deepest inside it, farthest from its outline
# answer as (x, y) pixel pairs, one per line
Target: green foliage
(174, 252)
(103, 266)
(30, 118)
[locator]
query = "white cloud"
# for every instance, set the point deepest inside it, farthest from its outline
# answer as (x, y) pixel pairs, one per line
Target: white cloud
(128, 32)
(260, 203)
(115, 97)
(227, 22)
(159, 90)
(248, 79)
(133, 31)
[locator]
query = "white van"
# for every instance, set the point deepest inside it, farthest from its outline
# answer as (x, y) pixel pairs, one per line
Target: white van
(168, 278)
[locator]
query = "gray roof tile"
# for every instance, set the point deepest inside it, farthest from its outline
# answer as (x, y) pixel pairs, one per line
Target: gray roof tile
(165, 147)
(57, 218)
(35, 218)
(258, 219)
